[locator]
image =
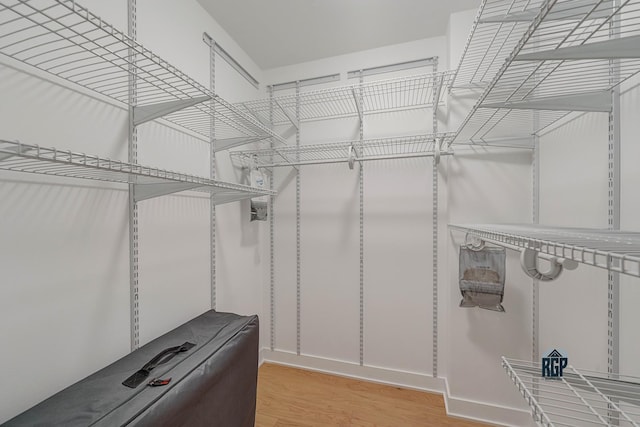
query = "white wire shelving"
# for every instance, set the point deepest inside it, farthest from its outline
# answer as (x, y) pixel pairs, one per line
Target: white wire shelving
(569, 58)
(149, 182)
(498, 26)
(397, 94)
(614, 250)
(579, 398)
(427, 145)
(64, 39)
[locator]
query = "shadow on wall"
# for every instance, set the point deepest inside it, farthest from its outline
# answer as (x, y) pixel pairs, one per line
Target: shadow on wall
(511, 156)
(60, 123)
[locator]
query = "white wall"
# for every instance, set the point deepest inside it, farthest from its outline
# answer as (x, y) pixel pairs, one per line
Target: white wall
(474, 187)
(573, 193)
(64, 243)
(397, 221)
(490, 186)
(629, 220)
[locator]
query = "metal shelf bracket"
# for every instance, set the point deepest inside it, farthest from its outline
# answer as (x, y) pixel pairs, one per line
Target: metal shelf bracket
(357, 102)
(225, 144)
(621, 48)
(145, 113)
(149, 191)
(11, 150)
(254, 115)
(295, 122)
(591, 101)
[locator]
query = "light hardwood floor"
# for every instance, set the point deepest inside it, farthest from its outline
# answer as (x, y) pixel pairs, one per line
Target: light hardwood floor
(290, 397)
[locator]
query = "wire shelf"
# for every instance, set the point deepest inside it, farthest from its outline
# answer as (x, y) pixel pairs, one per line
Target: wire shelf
(613, 250)
(233, 127)
(571, 56)
(64, 39)
(341, 152)
(579, 398)
(150, 182)
(403, 93)
(498, 26)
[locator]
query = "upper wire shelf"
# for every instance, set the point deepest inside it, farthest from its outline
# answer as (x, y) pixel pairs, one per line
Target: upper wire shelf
(149, 182)
(402, 93)
(64, 39)
(579, 398)
(498, 26)
(426, 145)
(570, 57)
(614, 250)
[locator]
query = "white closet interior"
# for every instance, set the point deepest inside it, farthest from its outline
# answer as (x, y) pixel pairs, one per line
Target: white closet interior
(516, 129)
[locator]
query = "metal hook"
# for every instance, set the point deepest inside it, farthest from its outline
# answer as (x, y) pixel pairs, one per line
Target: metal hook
(352, 156)
(474, 242)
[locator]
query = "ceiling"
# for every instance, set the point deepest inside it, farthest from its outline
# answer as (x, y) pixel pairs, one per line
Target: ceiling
(276, 33)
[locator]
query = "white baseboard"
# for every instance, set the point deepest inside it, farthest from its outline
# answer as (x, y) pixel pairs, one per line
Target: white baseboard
(487, 413)
(410, 380)
(456, 407)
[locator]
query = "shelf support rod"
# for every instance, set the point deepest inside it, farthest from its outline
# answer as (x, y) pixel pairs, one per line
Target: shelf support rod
(357, 159)
(435, 229)
(535, 219)
(272, 256)
(390, 68)
(133, 206)
(613, 213)
(359, 104)
(212, 163)
(306, 82)
(216, 48)
(298, 229)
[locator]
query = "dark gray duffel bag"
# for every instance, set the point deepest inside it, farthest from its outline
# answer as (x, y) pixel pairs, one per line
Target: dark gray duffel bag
(212, 383)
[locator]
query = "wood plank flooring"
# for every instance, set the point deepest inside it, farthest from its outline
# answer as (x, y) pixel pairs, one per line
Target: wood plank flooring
(290, 397)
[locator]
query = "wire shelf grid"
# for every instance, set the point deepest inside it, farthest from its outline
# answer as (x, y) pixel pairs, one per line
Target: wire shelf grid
(573, 53)
(339, 152)
(397, 94)
(230, 122)
(64, 39)
(492, 39)
(579, 398)
(15, 156)
(613, 250)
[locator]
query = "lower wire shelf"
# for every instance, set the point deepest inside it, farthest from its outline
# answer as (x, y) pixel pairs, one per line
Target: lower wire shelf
(613, 250)
(578, 398)
(148, 182)
(400, 147)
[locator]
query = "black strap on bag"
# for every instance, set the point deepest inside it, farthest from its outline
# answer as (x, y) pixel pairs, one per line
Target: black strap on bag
(163, 357)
